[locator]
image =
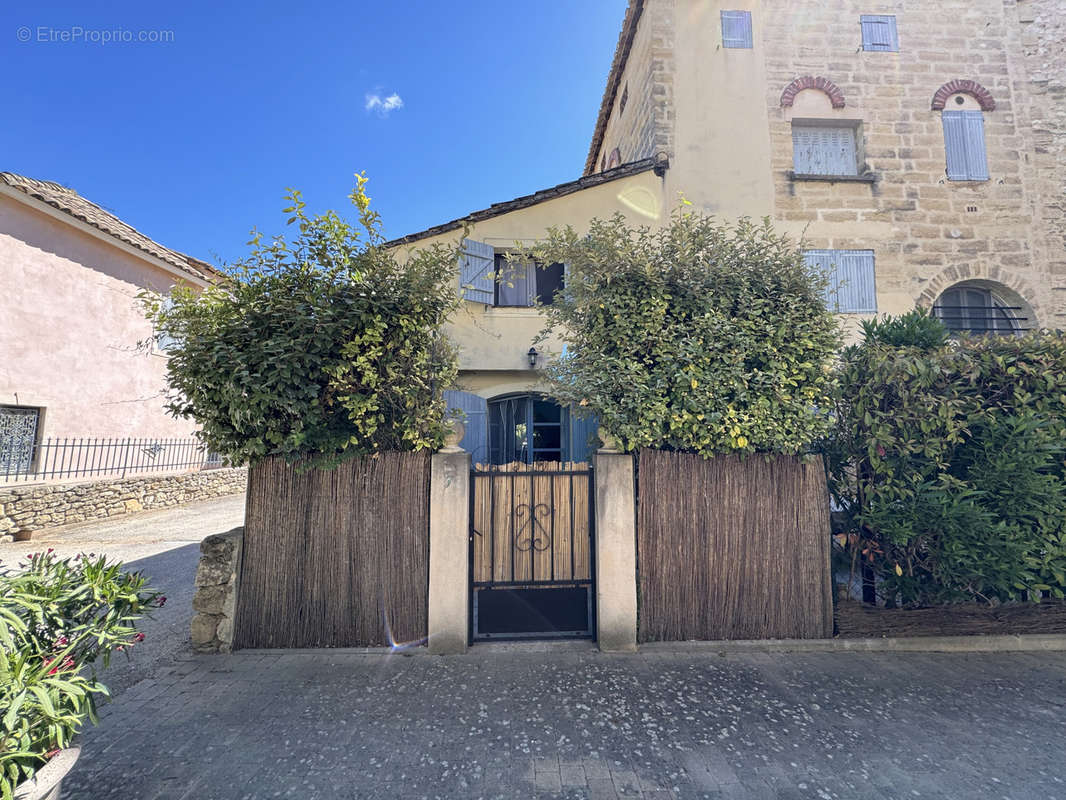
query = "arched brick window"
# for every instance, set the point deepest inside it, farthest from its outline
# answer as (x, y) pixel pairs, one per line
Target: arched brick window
(964, 128)
(964, 86)
(836, 97)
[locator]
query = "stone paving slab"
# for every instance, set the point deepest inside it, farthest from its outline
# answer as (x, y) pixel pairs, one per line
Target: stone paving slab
(570, 722)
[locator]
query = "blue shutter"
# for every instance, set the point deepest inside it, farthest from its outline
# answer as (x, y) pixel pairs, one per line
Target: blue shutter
(974, 133)
(476, 437)
(955, 144)
(879, 32)
(582, 437)
(477, 272)
(823, 151)
(852, 287)
(856, 284)
(736, 29)
(820, 263)
(840, 155)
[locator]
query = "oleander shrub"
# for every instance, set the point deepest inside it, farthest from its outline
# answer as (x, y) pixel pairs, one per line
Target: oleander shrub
(948, 460)
(700, 336)
(59, 618)
(319, 346)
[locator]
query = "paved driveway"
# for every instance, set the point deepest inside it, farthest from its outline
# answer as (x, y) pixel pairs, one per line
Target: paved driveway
(567, 721)
(163, 544)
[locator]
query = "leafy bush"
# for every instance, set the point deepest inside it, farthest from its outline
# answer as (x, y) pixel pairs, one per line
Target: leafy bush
(58, 617)
(324, 347)
(948, 460)
(699, 336)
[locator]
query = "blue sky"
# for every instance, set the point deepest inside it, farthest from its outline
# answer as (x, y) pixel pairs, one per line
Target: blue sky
(193, 141)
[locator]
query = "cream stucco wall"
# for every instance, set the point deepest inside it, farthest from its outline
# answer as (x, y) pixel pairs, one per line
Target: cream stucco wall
(493, 342)
(70, 328)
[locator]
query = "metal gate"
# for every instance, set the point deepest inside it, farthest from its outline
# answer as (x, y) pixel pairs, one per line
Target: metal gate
(532, 559)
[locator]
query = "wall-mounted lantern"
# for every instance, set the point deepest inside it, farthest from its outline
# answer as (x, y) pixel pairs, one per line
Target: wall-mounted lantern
(532, 355)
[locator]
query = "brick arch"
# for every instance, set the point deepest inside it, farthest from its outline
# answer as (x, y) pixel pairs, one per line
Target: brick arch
(950, 276)
(965, 86)
(836, 97)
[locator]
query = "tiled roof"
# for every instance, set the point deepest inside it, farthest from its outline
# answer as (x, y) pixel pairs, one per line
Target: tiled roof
(70, 202)
(614, 77)
(657, 162)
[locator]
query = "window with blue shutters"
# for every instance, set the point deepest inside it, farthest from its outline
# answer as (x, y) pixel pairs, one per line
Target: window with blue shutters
(851, 288)
(964, 143)
(474, 416)
(879, 32)
(736, 29)
(477, 272)
(824, 150)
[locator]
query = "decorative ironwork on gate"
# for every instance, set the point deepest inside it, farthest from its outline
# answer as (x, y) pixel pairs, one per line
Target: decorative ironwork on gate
(531, 551)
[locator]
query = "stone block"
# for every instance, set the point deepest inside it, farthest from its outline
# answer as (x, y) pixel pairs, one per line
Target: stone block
(132, 506)
(209, 599)
(204, 628)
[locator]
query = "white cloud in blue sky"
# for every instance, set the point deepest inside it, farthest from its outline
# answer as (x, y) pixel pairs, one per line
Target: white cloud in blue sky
(383, 106)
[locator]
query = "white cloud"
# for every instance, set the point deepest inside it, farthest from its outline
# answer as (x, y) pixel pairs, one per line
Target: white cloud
(382, 106)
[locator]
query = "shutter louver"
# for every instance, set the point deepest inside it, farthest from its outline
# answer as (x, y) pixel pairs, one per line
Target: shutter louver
(736, 29)
(823, 151)
(974, 134)
(476, 434)
(477, 273)
(955, 144)
(879, 32)
(851, 285)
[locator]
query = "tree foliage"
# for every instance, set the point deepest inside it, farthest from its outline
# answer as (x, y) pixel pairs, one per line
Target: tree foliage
(323, 346)
(698, 336)
(948, 460)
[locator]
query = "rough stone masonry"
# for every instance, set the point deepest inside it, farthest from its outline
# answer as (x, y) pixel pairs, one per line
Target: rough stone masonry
(25, 509)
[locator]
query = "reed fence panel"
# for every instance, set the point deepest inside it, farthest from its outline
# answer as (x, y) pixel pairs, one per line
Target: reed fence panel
(335, 558)
(732, 548)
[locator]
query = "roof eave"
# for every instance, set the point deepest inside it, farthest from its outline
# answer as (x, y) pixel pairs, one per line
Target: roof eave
(69, 219)
(659, 163)
(614, 78)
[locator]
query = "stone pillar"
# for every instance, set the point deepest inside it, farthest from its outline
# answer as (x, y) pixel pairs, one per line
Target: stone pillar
(616, 552)
(449, 551)
(217, 585)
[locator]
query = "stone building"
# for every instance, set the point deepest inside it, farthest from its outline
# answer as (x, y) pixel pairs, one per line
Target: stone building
(918, 150)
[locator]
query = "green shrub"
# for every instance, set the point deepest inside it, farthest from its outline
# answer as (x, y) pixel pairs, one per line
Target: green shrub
(699, 336)
(948, 461)
(324, 347)
(58, 617)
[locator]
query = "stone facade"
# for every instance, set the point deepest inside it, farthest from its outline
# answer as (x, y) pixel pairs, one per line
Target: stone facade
(926, 232)
(728, 116)
(25, 509)
(1042, 87)
(215, 601)
(645, 126)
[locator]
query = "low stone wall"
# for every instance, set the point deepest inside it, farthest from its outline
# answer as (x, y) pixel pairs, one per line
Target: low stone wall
(215, 600)
(25, 509)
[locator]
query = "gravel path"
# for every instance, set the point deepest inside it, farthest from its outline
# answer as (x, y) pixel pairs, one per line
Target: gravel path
(165, 545)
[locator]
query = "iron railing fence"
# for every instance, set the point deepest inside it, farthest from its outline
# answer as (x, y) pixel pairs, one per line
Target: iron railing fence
(977, 319)
(60, 458)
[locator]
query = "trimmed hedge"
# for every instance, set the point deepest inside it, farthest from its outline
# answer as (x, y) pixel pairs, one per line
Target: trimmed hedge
(948, 461)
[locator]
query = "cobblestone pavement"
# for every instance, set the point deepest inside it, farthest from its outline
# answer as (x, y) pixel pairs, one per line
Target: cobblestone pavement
(567, 721)
(165, 546)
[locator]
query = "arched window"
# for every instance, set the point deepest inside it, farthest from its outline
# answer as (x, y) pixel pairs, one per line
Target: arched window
(978, 309)
(962, 105)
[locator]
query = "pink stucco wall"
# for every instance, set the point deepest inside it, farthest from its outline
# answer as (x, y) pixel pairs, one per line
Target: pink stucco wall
(69, 328)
